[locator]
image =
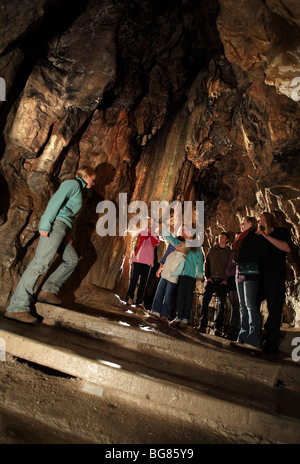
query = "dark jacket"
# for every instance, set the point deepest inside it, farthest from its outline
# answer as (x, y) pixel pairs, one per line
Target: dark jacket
(253, 249)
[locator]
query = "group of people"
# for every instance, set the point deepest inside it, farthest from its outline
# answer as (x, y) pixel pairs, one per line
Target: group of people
(180, 268)
(253, 270)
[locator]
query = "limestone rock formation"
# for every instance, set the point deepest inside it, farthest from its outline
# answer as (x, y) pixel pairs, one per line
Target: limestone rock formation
(174, 100)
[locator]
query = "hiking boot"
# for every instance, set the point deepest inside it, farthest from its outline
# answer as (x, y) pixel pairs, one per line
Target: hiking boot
(47, 297)
(21, 316)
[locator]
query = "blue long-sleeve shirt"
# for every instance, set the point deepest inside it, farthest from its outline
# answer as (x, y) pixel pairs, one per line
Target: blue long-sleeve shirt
(194, 260)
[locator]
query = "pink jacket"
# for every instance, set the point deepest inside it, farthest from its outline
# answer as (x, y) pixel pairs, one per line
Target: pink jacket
(145, 251)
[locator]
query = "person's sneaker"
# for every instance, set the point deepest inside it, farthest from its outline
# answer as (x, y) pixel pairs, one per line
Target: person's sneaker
(141, 306)
(48, 297)
(201, 329)
(184, 323)
(21, 316)
(175, 322)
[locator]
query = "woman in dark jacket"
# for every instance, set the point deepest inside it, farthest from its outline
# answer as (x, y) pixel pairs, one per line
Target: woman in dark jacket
(249, 249)
(278, 239)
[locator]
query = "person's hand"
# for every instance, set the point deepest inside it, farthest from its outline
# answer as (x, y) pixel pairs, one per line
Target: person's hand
(69, 239)
(261, 232)
(44, 233)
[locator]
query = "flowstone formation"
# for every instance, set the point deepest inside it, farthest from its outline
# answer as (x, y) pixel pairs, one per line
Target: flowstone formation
(174, 100)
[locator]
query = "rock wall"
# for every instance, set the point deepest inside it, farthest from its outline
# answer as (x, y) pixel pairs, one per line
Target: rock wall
(179, 99)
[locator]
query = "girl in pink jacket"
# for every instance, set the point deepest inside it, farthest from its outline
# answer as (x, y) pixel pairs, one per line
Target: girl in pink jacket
(142, 261)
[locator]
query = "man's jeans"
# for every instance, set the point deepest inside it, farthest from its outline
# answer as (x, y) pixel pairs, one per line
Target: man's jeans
(45, 253)
(163, 298)
(251, 326)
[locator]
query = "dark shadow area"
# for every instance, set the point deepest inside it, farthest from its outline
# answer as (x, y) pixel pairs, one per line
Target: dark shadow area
(4, 200)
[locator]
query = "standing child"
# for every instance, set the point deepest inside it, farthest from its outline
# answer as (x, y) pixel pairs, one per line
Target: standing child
(171, 271)
(56, 230)
(142, 262)
(193, 271)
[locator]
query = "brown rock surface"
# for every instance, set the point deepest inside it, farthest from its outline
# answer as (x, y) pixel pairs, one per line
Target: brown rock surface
(166, 100)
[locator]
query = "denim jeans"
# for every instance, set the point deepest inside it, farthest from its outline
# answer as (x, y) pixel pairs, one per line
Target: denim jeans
(251, 326)
(162, 302)
(45, 253)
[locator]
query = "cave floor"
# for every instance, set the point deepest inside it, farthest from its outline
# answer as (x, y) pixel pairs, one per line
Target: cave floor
(168, 385)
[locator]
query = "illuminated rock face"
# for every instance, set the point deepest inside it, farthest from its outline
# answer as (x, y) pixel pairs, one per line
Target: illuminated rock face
(175, 100)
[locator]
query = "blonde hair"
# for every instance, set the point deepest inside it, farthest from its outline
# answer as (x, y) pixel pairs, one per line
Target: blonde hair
(85, 171)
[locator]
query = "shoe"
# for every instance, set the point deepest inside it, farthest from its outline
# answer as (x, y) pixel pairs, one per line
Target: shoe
(141, 306)
(48, 297)
(175, 322)
(217, 333)
(184, 323)
(231, 337)
(252, 347)
(269, 347)
(201, 329)
(22, 316)
(129, 301)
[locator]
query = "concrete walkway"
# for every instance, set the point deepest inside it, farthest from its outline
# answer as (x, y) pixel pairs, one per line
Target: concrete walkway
(241, 396)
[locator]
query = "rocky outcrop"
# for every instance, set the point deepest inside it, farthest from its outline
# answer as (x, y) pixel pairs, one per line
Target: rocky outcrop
(175, 100)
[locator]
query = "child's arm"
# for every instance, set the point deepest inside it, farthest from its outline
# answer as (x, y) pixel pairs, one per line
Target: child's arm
(170, 238)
